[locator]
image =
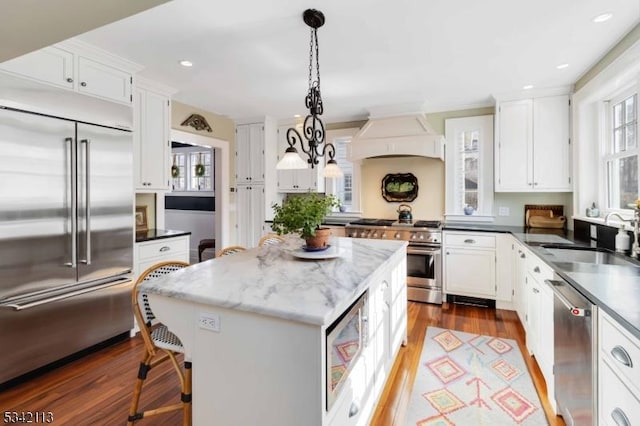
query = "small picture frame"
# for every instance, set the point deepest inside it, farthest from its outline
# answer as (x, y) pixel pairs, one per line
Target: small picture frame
(142, 223)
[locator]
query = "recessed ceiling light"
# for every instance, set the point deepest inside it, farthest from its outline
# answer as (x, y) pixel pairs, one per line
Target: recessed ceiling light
(562, 66)
(296, 116)
(528, 86)
(185, 63)
(602, 17)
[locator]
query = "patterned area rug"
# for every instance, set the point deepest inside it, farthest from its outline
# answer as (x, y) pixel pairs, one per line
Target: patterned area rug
(468, 379)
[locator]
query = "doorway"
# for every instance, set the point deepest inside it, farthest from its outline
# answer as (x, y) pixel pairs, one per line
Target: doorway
(199, 203)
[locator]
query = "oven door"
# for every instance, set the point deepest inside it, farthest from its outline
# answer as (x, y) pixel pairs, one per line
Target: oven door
(424, 266)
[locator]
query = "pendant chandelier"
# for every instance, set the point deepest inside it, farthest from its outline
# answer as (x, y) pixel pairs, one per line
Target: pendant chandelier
(313, 128)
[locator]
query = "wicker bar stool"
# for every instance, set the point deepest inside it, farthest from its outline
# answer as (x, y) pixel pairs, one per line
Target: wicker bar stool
(230, 250)
(270, 239)
(158, 340)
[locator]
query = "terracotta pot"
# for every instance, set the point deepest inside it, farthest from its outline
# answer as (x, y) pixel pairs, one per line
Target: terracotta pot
(320, 240)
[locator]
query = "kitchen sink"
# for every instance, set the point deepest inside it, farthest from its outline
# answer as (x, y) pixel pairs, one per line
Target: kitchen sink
(585, 255)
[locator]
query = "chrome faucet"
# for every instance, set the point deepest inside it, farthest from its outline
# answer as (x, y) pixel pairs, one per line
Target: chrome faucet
(606, 218)
(635, 247)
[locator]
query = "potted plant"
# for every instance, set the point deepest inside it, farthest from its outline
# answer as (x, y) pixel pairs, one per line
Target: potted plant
(303, 214)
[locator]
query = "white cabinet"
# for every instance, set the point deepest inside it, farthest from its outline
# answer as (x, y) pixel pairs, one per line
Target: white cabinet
(250, 215)
(539, 318)
(77, 66)
(256, 145)
(519, 262)
(249, 153)
(152, 117)
(532, 145)
(302, 180)
(470, 264)
(148, 253)
(49, 65)
(618, 373)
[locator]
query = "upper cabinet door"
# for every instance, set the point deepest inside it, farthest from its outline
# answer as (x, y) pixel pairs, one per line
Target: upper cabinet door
(152, 160)
(102, 80)
(551, 144)
(514, 145)
(249, 153)
(50, 65)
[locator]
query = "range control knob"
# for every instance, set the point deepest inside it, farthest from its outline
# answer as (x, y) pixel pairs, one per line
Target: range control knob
(375, 234)
(413, 236)
(397, 236)
(422, 236)
(384, 235)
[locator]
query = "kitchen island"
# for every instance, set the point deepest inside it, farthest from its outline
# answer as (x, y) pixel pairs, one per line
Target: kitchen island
(256, 327)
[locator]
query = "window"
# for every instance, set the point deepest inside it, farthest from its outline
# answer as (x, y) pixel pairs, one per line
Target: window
(621, 152)
(186, 161)
(469, 166)
(345, 188)
(469, 153)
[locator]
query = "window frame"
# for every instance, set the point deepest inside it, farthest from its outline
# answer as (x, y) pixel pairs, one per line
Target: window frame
(189, 170)
(607, 144)
(454, 127)
(345, 136)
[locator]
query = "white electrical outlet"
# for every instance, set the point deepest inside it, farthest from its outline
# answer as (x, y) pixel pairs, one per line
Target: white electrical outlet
(210, 321)
(593, 232)
(503, 211)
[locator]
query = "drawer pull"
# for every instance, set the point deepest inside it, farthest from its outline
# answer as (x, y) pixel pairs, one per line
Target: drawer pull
(622, 356)
(619, 417)
(165, 248)
(353, 410)
(535, 290)
(470, 241)
(536, 269)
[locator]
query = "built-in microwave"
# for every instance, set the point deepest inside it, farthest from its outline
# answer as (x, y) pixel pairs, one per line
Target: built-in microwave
(346, 338)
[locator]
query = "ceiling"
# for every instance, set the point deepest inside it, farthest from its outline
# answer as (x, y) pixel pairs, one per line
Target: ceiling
(251, 57)
(32, 24)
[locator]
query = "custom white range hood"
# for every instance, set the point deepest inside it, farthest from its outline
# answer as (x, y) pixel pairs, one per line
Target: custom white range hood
(407, 135)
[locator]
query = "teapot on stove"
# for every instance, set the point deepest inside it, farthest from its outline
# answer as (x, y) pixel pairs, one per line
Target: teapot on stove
(404, 213)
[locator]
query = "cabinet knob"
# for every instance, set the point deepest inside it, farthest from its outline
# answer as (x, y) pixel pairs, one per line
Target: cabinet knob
(83, 84)
(535, 290)
(69, 80)
(536, 269)
(535, 183)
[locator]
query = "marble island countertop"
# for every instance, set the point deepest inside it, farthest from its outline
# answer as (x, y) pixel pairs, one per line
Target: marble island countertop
(269, 280)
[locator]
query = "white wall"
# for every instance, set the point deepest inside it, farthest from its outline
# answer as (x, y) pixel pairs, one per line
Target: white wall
(198, 223)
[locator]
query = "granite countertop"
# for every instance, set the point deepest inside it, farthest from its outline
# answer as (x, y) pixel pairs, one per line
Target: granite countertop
(614, 288)
(269, 280)
(158, 234)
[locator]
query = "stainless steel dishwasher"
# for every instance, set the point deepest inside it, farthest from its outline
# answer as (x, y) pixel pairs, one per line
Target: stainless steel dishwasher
(575, 354)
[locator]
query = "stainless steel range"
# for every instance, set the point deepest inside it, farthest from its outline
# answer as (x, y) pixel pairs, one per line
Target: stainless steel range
(424, 264)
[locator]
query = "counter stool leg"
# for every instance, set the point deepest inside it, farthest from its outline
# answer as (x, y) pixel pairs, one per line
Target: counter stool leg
(145, 366)
(186, 396)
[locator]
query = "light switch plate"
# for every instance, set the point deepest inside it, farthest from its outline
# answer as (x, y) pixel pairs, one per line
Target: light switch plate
(503, 211)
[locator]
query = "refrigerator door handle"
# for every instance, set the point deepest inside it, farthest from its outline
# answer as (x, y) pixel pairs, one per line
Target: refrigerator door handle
(16, 306)
(87, 203)
(74, 206)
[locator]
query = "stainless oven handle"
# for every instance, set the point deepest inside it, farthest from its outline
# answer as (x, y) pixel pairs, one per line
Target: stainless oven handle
(423, 250)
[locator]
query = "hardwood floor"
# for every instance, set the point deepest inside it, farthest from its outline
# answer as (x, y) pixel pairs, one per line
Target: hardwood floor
(96, 389)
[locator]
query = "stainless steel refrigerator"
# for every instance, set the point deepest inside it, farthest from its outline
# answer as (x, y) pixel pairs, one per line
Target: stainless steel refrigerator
(66, 238)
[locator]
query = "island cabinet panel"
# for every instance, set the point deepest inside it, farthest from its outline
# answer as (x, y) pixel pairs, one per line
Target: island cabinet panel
(255, 368)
